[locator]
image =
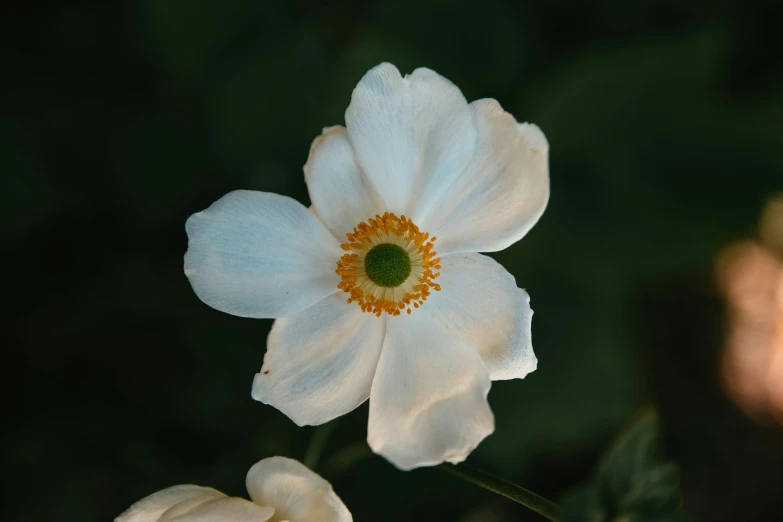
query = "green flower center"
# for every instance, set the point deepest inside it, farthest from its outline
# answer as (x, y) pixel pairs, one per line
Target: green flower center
(387, 265)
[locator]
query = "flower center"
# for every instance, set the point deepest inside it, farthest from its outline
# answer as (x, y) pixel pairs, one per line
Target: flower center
(387, 265)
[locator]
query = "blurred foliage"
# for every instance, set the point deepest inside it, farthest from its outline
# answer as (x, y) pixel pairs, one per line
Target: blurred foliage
(122, 118)
(632, 484)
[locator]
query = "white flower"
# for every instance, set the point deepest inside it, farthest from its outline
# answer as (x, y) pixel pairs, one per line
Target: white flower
(417, 170)
(281, 489)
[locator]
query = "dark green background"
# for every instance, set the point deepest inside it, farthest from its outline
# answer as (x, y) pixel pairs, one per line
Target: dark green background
(119, 119)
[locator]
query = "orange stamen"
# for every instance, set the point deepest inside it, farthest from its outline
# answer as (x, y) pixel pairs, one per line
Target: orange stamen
(388, 228)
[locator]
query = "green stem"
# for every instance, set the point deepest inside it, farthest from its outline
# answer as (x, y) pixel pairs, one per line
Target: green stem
(317, 444)
(505, 488)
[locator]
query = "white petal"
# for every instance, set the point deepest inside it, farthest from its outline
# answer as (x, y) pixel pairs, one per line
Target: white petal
(342, 195)
(429, 397)
(296, 493)
(226, 509)
(481, 305)
(151, 508)
(188, 503)
(256, 254)
(319, 363)
(502, 192)
(412, 135)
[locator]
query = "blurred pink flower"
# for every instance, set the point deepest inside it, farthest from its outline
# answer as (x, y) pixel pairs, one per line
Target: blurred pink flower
(750, 276)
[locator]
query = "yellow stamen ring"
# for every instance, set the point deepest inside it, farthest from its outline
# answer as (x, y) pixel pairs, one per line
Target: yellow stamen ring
(388, 229)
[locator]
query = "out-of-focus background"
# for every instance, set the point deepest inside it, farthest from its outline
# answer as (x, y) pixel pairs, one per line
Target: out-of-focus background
(652, 273)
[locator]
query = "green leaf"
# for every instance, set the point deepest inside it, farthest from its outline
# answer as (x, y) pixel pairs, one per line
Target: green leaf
(633, 475)
(632, 482)
(584, 505)
(654, 491)
(633, 451)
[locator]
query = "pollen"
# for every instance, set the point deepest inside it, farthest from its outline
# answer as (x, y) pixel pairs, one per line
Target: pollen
(389, 265)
